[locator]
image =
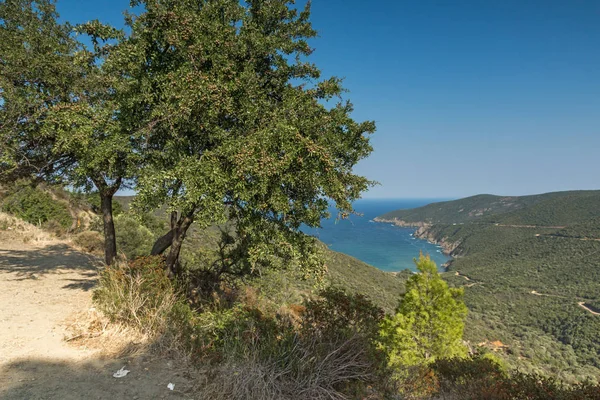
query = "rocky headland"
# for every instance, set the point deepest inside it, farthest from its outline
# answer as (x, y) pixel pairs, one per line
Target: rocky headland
(424, 232)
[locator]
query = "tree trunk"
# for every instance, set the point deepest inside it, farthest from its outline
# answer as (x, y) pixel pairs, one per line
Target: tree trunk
(106, 193)
(110, 239)
(179, 232)
(162, 243)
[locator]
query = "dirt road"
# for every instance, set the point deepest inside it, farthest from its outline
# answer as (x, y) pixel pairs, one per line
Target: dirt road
(42, 286)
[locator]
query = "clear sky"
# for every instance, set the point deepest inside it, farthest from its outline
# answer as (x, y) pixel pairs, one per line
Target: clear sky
(479, 96)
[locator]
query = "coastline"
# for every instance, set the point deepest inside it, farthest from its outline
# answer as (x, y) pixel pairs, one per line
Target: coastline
(422, 231)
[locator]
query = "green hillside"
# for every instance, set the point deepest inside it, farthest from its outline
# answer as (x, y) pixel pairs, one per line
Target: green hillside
(528, 264)
(557, 207)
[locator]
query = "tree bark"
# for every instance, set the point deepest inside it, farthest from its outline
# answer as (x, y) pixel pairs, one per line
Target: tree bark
(162, 243)
(110, 238)
(179, 232)
(107, 193)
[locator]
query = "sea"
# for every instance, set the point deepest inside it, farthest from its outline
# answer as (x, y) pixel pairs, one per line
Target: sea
(382, 245)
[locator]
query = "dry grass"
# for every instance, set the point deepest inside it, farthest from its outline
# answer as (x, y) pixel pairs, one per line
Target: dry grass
(136, 300)
(16, 229)
(93, 330)
(310, 369)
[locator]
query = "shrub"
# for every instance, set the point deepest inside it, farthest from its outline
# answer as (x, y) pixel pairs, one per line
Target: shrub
(37, 207)
(335, 312)
(468, 376)
(481, 377)
(90, 241)
(133, 238)
(295, 368)
(138, 294)
(329, 354)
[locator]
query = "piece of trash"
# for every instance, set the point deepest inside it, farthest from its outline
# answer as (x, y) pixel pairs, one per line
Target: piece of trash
(121, 373)
(171, 386)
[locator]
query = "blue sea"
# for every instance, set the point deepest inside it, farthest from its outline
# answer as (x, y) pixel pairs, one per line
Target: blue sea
(382, 245)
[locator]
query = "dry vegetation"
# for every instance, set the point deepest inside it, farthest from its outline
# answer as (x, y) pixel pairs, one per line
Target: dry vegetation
(16, 229)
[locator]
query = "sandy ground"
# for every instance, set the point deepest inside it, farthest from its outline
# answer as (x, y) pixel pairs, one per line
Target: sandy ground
(42, 287)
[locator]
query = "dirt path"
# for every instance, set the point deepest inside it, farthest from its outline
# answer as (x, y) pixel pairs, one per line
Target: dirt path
(468, 285)
(464, 276)
(532, 226)
(582, 305)
(547, 295)
(42, 286)
(585, 239)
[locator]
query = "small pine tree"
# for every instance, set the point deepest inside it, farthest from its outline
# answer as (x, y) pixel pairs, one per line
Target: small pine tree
(428, 323)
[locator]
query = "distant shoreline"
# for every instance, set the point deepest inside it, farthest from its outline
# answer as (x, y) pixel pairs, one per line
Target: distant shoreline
(422, 232)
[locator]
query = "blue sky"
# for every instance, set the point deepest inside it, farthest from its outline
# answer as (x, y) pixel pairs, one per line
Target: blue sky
(480, 96)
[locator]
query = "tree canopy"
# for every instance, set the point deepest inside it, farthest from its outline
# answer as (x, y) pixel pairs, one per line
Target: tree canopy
(37, 71)
(59, 112)
(211, 107)
(238, 125)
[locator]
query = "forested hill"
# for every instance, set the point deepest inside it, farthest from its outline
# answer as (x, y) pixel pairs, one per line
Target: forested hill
(557, 208)
(530, 267)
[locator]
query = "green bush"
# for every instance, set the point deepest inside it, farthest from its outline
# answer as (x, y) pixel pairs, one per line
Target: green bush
(335, 312)
(37, 207)
(481, 377)
(133, 238)
(261, 357)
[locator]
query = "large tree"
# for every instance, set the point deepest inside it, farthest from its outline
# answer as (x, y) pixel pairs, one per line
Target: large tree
(59, 110)
(239, 126)
(91, 129)
(37, 71)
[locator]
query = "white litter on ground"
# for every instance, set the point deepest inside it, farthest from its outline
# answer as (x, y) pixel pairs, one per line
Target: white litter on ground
(121, 373)
(171, 386)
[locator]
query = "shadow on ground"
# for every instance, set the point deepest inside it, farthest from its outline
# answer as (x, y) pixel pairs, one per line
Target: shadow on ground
(30, 263)
(37, 379)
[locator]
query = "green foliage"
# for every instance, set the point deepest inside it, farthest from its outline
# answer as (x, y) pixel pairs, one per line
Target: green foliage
(334, 313)
(36, 72)
(481, 378)
(236, 127)
(429, 322)
(133, 238)
(38, 207)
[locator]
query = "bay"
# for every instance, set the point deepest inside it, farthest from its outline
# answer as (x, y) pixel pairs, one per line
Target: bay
(382, 245)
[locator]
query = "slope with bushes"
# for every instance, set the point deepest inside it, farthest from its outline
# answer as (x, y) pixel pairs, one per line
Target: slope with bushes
(525, 273)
